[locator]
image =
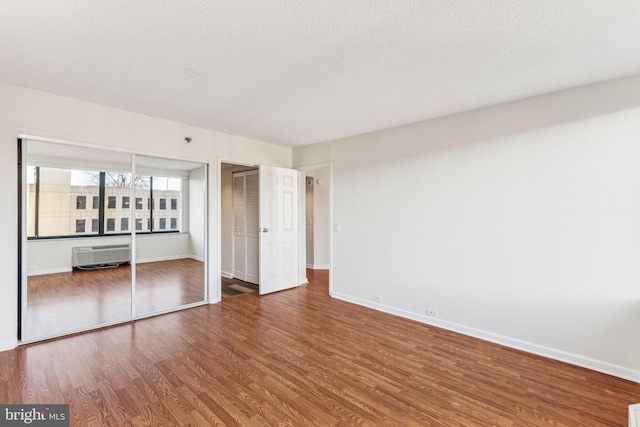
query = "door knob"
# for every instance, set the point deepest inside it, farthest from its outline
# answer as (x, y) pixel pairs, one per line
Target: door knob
(265, 230)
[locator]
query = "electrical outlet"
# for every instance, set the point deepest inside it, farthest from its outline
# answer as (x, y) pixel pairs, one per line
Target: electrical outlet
(432, 312)
(377, 298)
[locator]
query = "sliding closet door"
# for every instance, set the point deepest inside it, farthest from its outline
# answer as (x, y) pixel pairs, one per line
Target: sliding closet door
(75, 272)
(170, 234)
(107, 237)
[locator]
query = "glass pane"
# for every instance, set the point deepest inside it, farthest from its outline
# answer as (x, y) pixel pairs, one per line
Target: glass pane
(31, 200)
(82, 279)
(143, 203)
(65, 201)
(170, 258)
(117, 202)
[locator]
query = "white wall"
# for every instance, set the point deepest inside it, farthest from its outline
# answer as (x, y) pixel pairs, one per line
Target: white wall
(26, 111)
(321, 226)
(519, 223)
(309, 220)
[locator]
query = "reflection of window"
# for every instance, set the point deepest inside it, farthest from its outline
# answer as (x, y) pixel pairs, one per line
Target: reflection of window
(56, 198)
(52, 213)
(138, 224)
(157, 190)
(81, 202)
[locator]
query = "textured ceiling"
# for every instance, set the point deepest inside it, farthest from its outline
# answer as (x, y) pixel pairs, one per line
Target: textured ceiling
(294, 72)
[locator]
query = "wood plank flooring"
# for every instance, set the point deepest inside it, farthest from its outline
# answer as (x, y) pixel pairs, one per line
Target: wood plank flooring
(62, 302)
(301, 358)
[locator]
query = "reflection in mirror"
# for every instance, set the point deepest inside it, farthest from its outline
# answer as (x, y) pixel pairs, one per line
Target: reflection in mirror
(78, 274)
(170, 234)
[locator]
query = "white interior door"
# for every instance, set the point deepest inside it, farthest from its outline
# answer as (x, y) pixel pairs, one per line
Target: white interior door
(279, 229)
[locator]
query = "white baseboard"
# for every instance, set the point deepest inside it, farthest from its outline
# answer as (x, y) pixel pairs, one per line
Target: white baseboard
(49, 271)
(163, 258)
(319, 267)
(540, 350)
(8, 344)
(226, 274)
(139, 261)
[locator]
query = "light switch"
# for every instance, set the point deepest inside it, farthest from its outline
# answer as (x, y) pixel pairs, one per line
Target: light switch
(337, 227)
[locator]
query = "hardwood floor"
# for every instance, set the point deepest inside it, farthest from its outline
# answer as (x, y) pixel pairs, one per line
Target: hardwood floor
(301, 358)
(62, 302)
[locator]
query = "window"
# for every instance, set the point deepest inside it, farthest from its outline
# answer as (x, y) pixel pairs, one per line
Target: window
(81, 202)
(138, 224)
(174, 204)
(112, 202)
(96, 202)
(124, 224)
(150, 204)
(174, 223)
(163, 204)
(138, 202)
(94, 225)
(150, 224)
(125, 202)
(111, 224)
(163, 224)
(80, 225)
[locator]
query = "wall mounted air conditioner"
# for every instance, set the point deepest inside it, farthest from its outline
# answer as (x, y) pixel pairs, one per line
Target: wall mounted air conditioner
(86, 257)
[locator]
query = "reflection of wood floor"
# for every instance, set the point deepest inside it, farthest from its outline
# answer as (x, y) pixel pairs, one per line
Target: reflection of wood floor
(301, 358)
(233, 287)
(64, 302)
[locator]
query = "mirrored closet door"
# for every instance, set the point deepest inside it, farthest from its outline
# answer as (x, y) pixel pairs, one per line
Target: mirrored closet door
(170, 234)
(107, 237)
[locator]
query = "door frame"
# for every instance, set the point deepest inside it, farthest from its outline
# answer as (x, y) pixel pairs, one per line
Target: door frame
(215, 297)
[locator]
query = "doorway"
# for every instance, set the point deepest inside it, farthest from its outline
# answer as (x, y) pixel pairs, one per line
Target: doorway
(277, 225)
(238, 214)
(317, 196)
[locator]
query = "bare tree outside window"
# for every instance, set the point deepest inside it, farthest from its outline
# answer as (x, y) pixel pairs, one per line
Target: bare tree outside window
(117, 179)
